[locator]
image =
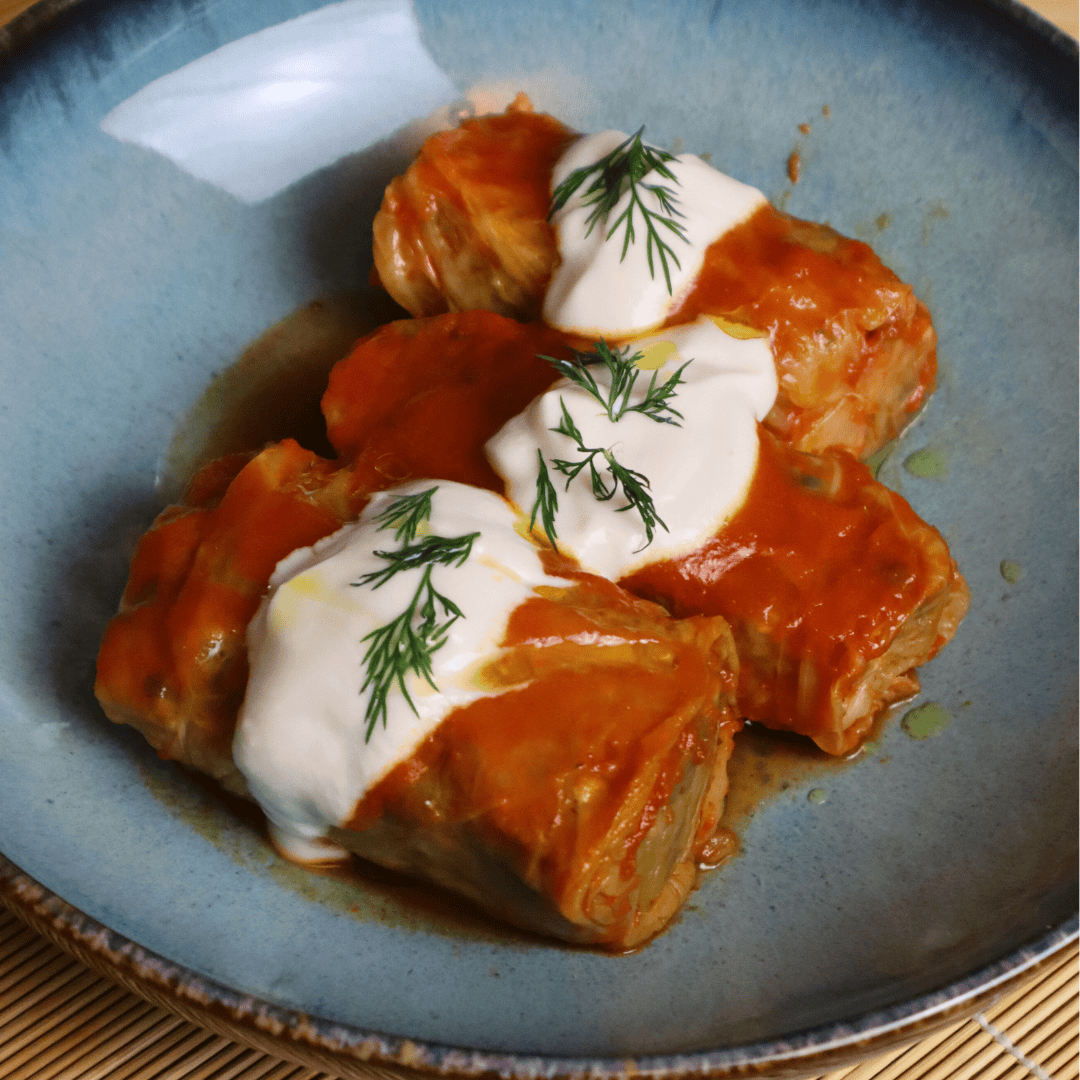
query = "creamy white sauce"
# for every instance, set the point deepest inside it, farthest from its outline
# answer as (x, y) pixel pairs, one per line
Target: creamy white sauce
(300, 741)
(699, 471)
(598, 292)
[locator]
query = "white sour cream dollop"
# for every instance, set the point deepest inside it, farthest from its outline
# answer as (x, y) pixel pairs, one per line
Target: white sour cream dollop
(698, 471)
(595, 290)
(300, 741)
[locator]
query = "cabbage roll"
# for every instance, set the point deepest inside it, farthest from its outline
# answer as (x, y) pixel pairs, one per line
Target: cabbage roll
(420, 397)
(835, 590)
(173, 661)
(577, 797)
(466, 227)
(579, 801)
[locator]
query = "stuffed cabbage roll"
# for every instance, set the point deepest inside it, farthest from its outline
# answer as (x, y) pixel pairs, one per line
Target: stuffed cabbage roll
(420, 397)
(467, 227)
(536, 739)
(576, 781)
(579, 801)
(173, 661)
(855, 351)
(834, 588)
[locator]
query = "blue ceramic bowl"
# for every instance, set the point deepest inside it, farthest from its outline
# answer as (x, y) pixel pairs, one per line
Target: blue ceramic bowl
(935, 868)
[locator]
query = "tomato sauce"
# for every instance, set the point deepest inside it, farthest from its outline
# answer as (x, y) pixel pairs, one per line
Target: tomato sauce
(175, 652)
(513, 153)
(419, 398)
(466, 226)
(789, 276)
(845, 331)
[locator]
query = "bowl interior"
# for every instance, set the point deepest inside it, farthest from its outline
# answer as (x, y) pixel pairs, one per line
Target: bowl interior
(945, 136)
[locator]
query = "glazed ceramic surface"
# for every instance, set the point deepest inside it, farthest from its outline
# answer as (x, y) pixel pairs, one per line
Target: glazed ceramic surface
(933, 864)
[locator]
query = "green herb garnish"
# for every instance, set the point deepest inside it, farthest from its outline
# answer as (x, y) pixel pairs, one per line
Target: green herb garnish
(624, 372)
(407, 643)
(615, 400)
(618, 172)
(407, 514)
(547, 501)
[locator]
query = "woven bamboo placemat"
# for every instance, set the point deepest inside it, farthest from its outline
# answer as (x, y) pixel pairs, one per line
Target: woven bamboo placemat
(61, 1021)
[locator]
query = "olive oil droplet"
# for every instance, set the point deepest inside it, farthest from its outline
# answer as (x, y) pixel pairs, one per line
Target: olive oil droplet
(925, 721)
(927, 463)
(1010, 571)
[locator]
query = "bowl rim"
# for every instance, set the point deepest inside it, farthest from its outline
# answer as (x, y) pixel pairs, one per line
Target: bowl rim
(39, 18)
(250, 1019)
(296, 1035)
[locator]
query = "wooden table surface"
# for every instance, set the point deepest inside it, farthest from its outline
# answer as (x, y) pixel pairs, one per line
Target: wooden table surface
(61, 1021)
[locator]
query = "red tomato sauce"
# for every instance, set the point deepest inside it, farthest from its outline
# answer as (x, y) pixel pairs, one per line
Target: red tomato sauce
(789, 276)
(513, 152)
(419, 398)
(841, 324)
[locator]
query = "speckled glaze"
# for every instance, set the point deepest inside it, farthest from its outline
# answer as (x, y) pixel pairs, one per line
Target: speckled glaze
(930, 872)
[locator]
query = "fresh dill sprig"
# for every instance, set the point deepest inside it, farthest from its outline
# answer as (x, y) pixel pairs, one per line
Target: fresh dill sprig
(618, 172)
(633, 483)
(399, 647)
(407, 643)
(431, 550)
(624, 372)
(407, 514)
(656, 405)
(547, 502)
